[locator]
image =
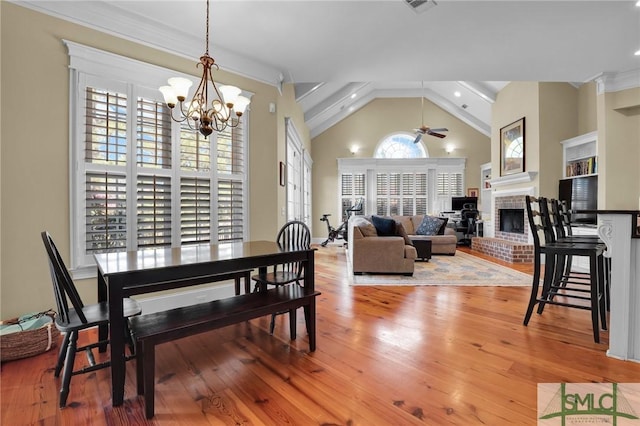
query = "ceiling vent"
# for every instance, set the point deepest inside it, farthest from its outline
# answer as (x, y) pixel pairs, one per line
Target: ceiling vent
(419, 6)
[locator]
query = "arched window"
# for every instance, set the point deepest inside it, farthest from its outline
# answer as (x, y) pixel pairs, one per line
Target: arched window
(400, 145)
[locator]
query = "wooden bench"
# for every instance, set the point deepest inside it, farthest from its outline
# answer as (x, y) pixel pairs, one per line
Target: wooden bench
(160, 327)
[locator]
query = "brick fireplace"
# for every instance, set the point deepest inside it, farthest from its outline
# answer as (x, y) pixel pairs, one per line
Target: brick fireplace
(511, 204)
(512, 242)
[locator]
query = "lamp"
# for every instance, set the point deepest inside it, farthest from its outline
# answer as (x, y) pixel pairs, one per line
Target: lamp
(202, 113)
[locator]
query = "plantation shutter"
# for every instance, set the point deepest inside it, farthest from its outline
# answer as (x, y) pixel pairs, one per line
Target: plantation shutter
(153, 158)
(105, 161)
(449, 184)
(401, 193)
(352, 188)
(105, 127)
(231, 185)
(420, 193)
(105, 212)
(195, 186)
(195, 210)
(230, 211)
(154, 210)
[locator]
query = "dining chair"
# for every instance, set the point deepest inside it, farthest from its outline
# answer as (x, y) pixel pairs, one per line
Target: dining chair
(294, 235)
(73, 316)
(586, 294)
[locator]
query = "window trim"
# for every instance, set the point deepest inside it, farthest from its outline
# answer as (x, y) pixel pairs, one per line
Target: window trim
(88, 63)
(410, 136)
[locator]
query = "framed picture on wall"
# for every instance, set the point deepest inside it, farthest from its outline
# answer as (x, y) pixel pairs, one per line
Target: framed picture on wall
(472, 192)
(283, 174)
(512, 148)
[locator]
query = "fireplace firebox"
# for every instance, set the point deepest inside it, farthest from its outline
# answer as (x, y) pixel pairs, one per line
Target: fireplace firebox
(512, 220)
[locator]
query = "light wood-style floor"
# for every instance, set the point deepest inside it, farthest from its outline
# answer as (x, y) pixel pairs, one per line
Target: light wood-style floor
(386, 356)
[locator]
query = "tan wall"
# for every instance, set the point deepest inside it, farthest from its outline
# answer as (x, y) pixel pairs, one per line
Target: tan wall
(587, 108)
(368, 126)
(35, 152)
(558, 104)
(287, 108)
(619, 149)
(516, 100)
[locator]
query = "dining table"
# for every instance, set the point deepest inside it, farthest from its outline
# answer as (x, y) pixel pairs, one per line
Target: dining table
(620, 231)
(127, 273)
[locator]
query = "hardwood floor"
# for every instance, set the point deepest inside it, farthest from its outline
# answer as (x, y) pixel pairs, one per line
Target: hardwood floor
(386, 356)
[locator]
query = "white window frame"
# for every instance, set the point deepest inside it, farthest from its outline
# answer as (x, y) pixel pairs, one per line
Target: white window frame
(134, 78)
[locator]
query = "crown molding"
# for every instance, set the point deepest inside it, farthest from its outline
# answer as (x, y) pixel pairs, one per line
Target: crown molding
(608, 82)
(106, 17)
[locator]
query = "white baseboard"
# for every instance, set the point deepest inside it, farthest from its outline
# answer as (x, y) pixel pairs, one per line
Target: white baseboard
(165, 302)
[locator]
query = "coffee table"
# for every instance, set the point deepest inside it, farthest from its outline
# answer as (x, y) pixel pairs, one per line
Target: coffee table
(423, 248)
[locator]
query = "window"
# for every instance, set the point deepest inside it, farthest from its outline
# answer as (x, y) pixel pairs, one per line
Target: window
(449, 184)
(352, 188)
(408, 186)
(401, 193)
(400, 145)
(140, 179)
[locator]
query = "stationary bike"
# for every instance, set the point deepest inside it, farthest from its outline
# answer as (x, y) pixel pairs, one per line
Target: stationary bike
(341, 232)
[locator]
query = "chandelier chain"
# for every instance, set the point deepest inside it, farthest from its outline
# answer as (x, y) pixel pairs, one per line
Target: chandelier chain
(207, 38)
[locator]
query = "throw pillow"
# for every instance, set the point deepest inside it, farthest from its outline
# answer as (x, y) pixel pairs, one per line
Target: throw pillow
(366, 227)
(444, 225)
(403, 233)
(384, 226)
(429, 226)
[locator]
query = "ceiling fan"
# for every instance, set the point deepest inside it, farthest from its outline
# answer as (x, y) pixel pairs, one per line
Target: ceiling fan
(426, 130)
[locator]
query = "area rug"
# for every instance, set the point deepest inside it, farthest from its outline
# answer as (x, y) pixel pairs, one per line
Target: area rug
(461, 269)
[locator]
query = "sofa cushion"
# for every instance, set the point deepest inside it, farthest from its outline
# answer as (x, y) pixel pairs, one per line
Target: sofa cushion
(385, 227)
(444, 225)
(430, 226)
(406, 223)
(366, 228)
(403, 233)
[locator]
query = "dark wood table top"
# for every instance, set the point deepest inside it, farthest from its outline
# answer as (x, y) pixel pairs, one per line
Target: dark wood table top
(167, 257)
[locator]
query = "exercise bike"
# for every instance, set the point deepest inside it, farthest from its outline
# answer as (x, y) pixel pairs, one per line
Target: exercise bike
(341, 232)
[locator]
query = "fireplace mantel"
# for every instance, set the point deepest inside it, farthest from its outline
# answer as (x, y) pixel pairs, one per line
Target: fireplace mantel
(513, 179)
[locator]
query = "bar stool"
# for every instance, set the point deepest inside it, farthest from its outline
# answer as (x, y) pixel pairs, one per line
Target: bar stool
(591, 291)
(561, 219)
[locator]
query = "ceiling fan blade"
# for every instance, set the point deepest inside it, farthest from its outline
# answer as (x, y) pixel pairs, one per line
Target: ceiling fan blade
(418, 137)
(441, 129)
(437, 135)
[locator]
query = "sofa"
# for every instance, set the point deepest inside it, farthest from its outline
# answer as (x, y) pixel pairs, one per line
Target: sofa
(372, 253)
(440, 244)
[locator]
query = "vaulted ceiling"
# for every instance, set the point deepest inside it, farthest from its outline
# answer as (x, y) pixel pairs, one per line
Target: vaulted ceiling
(342, 54)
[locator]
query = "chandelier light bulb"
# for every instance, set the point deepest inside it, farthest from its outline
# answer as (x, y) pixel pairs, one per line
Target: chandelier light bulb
(169, 95)
(180, 87)
(241, 105)
(229, 94)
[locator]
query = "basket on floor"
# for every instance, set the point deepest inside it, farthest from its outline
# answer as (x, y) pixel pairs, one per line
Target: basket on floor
(28, 335)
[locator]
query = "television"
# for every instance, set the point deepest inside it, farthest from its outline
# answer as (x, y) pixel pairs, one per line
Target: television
(457, 203)
(580, 193)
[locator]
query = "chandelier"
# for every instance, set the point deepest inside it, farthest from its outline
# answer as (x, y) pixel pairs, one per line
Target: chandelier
(211, 108)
